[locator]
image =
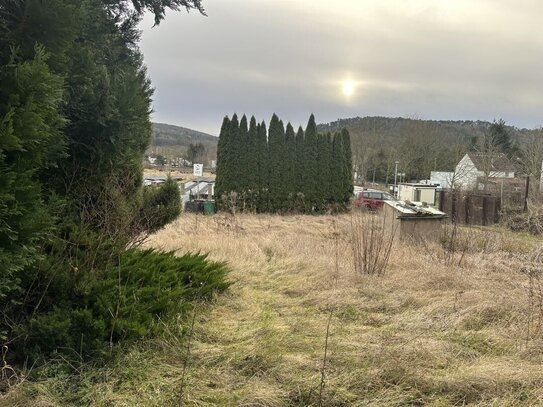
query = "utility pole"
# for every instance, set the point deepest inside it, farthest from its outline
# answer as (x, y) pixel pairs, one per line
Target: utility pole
(526, 193)
(395, 178)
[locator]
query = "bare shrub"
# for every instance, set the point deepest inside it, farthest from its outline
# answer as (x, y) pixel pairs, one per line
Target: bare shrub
(530, 222)
(371, 241)
(454, 245)
(458, 242)
(533, 269)
(228, 219)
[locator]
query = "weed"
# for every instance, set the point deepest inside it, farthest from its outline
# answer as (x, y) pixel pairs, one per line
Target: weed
(371, 243)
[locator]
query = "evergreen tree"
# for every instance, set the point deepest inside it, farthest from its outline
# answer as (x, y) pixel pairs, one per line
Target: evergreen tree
(232, 156)
(263, 161)
(337, 167)
(74, 125)
(287, 170)
(500, 138)
(242, 154)
(289, 167)
(325, 167)
(31, 141)
(276, 146)
(311, 165)
(252, 163)
(299, 161)
(348, 185)
(221, 183)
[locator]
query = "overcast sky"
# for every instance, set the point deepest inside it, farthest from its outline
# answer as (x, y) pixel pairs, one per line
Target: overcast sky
(431, 59)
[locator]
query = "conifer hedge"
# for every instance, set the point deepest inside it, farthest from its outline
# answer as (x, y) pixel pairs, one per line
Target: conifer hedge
(282, 170)
(75, 103)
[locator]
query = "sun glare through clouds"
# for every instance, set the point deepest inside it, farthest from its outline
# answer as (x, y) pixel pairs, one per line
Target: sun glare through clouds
(348, 87)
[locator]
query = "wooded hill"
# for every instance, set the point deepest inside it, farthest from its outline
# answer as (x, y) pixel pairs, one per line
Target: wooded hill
(173, 141)
(420, 146)
(170, 135)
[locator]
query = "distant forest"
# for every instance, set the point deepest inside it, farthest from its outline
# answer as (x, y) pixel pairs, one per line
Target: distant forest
(422, 146)
(175, 141)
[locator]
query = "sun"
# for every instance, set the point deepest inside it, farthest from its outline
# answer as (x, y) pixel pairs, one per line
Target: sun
(348, 87)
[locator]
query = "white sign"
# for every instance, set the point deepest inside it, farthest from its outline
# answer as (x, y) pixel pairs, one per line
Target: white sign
(198, 170)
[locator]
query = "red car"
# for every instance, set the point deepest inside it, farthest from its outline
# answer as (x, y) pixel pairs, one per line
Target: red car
(372, 199)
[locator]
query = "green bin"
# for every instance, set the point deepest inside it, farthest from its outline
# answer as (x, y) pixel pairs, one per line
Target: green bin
(209, 207)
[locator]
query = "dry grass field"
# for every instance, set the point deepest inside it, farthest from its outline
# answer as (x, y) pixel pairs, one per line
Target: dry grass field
(435, 330)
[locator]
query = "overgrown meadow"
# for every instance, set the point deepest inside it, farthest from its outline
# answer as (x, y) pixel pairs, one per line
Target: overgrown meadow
(455, 322)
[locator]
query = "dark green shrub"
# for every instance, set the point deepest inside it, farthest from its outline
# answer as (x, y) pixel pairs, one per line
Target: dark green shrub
(85, 313)
(161, 205)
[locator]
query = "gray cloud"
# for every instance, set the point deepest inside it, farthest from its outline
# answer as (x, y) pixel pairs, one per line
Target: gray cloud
(429, 58)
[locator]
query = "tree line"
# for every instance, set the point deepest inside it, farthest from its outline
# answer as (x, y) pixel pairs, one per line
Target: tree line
(422, 146)
(280, 169)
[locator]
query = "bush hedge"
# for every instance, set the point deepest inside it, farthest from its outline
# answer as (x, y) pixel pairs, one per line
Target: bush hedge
(125, 302)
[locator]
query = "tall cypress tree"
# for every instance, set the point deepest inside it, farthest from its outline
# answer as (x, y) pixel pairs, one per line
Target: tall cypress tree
(242, 156)
(311, 169)
(263, 161)
(252, 155)
(347, 177)
(222, 158)
(325, 167)
(289, 169)
(299, 160)
(232, 172)
(252, 164)
(337, 168)
(276, 146)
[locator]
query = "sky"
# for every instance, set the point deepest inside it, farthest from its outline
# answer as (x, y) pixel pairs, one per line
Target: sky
(427, 59)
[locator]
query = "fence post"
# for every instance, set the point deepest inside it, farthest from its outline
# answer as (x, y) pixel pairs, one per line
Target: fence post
(467, 201)
(526, 193)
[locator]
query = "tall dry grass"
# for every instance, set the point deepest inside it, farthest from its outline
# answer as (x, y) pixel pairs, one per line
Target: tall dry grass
(427, 332)
(371, 240)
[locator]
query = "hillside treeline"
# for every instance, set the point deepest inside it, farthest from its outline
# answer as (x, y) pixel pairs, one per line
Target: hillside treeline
(282, 170)
(74, 125)
(422, 146)
(175, 143)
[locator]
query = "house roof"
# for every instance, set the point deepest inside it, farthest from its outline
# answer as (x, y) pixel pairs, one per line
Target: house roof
(498, 162)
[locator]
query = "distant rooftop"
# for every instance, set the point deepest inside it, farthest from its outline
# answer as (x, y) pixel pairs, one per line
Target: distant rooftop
(496, 162)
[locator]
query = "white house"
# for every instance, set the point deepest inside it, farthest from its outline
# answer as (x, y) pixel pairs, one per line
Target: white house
(476, 165)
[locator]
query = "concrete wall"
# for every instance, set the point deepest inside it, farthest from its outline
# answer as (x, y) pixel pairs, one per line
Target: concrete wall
(412, 230)
(420, 230)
